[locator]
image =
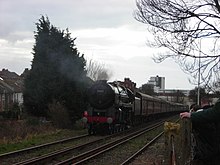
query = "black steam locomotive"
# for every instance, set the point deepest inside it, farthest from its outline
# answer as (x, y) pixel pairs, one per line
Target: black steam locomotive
(113, 108)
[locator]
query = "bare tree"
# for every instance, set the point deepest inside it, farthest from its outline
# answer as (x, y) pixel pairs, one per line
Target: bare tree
(187, 31)
(97, 71)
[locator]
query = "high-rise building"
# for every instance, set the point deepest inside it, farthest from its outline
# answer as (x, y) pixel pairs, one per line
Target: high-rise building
(158, 83)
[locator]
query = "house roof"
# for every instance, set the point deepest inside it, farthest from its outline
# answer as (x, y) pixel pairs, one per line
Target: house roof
(10, 81)
(5, 74)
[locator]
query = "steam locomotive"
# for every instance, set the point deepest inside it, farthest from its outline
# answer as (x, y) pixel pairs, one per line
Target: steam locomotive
(113, 108)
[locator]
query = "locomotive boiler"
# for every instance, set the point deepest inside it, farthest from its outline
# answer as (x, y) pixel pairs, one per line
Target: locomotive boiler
(110, 107)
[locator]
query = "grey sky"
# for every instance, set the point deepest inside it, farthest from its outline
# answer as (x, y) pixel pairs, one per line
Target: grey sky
(106, 31)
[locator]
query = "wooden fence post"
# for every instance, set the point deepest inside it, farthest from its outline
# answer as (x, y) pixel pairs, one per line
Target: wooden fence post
(177, 142)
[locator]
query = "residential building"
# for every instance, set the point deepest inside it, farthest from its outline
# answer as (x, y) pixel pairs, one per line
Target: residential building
(11, 85)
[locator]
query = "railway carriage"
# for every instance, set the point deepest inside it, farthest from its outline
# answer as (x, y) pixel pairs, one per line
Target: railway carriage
(113, 108)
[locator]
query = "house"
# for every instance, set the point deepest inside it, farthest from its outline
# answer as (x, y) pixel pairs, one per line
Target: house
(11, 85)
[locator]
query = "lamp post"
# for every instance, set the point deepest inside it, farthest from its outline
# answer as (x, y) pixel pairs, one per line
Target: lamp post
(198, 95)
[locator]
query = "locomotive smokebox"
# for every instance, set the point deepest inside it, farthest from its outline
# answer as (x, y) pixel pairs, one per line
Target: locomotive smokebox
(101, 95)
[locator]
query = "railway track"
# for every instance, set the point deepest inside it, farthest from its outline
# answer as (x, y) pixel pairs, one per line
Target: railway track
(146, 154)
(14, 157)
(82, 152)
(97, 152)
(91, 154)
(7, 157)
(9, 154)
(140, 151)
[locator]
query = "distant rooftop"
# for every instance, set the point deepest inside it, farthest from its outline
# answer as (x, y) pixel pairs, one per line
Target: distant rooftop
(5, 74)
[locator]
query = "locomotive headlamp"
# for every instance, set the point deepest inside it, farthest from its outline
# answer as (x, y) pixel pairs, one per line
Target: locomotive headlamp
(109, 120)
(84, 119)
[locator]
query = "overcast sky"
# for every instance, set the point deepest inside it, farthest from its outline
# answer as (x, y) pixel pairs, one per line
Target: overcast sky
(106, 32)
